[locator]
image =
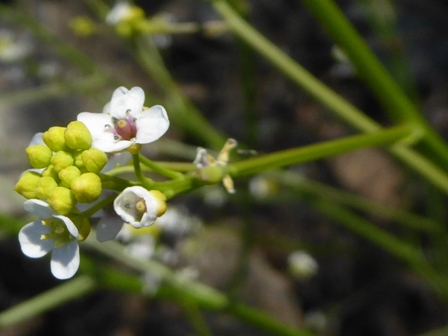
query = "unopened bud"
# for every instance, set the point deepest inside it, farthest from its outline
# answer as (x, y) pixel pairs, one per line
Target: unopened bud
(50, 172)
(61, 200)
(54, 138)
(45, 185)
(67, 175)
(39, 155)
(27, 184)
(212, 174)
(62, 160)
(161, 202)
(77, 136)
(87, 188)
(94, 160)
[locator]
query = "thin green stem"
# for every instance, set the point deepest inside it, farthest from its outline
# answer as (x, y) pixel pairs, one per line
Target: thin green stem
(66, 292)
(156, 168)
(146, 182)
(318, 151)
(403, 251)
(322, 93)
(201, 294)
(321, 190)
(98, 206)
(294, 71)
(392, 98)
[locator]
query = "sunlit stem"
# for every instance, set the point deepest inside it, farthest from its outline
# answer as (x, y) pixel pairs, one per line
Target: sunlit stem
(98, 206)
(156, 168)
(146, 182)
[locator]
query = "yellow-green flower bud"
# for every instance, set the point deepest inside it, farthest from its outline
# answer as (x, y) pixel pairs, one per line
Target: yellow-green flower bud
(94, 160)
(161, 202)
(54, 138)
(61, 160)
(27, 184)
(86, 188)
(39, 156)
(77, 136)
(45, 185)
(77, 156)
(83, 226)
(212, 174)
(67, 175)
(61, 200)
(50, 172)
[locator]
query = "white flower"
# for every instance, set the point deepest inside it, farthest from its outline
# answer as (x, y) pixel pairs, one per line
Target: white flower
(140, 207)
(119, 11)
(302, 265)
(53, 233)
(125, 121)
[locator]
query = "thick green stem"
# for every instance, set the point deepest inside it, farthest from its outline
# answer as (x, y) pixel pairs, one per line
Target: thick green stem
(68, 291)
(318, 151)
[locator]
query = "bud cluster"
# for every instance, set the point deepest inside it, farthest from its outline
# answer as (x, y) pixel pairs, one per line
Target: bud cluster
(66, 168)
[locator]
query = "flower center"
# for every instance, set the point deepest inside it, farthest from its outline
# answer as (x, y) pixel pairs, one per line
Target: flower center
(140, 206)
(58, 232)
(124, 129)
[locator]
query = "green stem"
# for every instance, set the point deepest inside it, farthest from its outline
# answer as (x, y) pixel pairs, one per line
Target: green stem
(403, 251)
(66, 292)
(98, 206)
(322, 93)
(318, 151)
(321, 190)
(294, 71)
(156, 168)
(373, 72)
(146, 182)
(202, 295)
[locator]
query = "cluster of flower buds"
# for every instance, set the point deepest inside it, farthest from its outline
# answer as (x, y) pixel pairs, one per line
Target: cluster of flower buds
(65, 168)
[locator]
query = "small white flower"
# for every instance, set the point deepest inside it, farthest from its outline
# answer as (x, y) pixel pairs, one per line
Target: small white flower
(302, 265)
(53, 233)
(119, 11)
(140, 207)
(125, 121)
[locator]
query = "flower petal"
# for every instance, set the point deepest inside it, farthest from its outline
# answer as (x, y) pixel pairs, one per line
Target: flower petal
(124, 100)
(65, 260)
(30, 240)
(151, 124)
(111, 146)
(69, 224)
(114, 159)
(96, 123)
(37, 139)
(39, 208)
(108, 228)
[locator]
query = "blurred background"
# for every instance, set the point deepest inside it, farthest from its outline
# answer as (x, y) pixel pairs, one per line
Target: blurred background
(268, 245)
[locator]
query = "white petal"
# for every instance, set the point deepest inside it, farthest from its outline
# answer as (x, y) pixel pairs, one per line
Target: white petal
(114, 159)
(110, 145)
(37, 139)
(108, 228)
(65, 260)
(123, 101)
(31, 244)
(69, 224)
(106, 108)
(39, 208)
(96, 123)
(151, 124)
(124, 204)
(148, 219)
